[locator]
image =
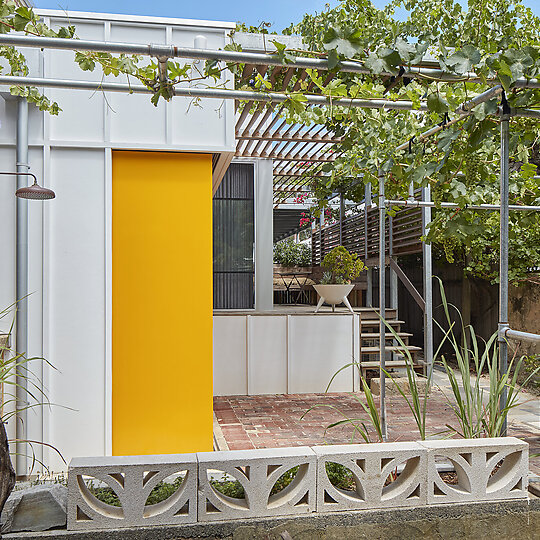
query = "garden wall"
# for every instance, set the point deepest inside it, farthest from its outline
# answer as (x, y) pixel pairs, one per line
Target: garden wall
(476, 299)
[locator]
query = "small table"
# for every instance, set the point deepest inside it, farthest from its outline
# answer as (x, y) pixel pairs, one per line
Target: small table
(295, 277)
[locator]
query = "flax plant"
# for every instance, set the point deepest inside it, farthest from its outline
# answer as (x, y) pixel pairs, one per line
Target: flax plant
(478, 411)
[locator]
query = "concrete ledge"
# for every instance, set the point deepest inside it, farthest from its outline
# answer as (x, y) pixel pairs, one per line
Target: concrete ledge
(516, 519)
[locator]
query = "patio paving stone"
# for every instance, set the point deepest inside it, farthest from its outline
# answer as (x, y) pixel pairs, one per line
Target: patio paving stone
(272, 421)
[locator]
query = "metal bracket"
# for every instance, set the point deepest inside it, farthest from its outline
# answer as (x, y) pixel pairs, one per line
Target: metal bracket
(501, 332)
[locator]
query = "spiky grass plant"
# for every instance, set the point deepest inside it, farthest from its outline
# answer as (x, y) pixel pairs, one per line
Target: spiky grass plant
(478, 411)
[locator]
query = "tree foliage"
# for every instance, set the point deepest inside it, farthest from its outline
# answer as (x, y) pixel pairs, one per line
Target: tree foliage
(495, 39)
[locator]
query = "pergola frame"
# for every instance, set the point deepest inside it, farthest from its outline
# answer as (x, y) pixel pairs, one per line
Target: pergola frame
(261, 61)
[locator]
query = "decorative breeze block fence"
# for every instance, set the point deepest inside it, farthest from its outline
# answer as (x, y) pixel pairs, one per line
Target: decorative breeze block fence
(383, 475)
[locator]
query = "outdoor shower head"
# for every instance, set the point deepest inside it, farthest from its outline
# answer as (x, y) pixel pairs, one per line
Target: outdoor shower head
(35, 192)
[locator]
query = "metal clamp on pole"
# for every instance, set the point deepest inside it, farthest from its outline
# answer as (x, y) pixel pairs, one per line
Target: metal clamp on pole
(501, 332)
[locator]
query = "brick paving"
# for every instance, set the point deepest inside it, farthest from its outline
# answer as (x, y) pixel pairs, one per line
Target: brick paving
(272, 421)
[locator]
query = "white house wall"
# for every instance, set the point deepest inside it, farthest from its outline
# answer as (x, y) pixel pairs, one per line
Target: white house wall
(70, 237)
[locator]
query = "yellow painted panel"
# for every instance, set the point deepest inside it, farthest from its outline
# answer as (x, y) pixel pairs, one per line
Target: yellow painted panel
(162, 303)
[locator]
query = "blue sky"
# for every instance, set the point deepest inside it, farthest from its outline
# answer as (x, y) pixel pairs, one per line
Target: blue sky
(279, 12)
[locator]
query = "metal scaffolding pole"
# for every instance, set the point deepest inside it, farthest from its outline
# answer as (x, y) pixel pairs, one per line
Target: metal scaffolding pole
(341, 217)
(243, 95)
(382, 305)
(172, 51)
(489, 207)
(215, 93)
(428, 285)
(503, 267)
(367, 206)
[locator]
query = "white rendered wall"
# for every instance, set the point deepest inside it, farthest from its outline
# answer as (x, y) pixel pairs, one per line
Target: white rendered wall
(70, 237)
(284, 354)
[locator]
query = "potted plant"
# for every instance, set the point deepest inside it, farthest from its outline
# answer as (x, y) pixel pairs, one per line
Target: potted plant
(341, 266)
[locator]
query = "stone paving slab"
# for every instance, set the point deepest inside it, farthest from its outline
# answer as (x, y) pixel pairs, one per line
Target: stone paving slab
(272, 421)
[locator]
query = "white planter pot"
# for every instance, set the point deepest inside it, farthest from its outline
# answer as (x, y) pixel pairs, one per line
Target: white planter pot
(334, 295)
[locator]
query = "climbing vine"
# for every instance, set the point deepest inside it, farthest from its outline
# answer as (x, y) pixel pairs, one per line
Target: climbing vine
(494, 39)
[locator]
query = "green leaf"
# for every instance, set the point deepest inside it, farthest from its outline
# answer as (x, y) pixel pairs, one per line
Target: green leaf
(406, 50)
(446, 138)
(437, 103)
(484, 109)
(463, 60)
(333, 59)
(342, 47)
(20, 22)
(483, 130)
(375, 64)
(85, 62)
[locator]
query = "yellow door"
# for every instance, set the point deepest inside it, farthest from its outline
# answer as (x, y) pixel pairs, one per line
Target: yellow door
(162, 303)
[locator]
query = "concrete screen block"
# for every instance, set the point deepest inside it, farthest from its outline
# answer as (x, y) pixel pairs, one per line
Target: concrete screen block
(257, 472)
(485, 469)
(130, 480)
(366, 476)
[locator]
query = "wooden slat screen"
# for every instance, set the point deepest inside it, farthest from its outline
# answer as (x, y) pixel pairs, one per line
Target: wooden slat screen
(405, 228)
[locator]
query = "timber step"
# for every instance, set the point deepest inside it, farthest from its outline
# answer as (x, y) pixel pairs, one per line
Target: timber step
(389, 335)
(368, 314)
(375, 322)
(388, 364)
(392, 348)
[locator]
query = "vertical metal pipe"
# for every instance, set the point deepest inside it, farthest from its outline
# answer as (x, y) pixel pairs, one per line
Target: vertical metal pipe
(369, 291)
(503, 269)
(428, 284)
(341, 217)
(321, 224)
(22, 279)
(382, 303)
(411, 191)
(367, 206)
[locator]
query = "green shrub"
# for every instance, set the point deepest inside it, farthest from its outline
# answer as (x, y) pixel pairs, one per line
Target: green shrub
(340, 476)
(342, 266)
(230, 488)
(290, 253)
(532, 367)
(162, 491)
